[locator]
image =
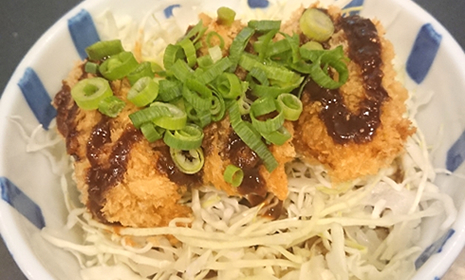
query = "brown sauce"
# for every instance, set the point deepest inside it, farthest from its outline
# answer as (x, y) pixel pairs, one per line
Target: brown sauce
(66, 114)
(105, 174)
(365, 50)
(274, 211)
(243, 157)
(166, 165)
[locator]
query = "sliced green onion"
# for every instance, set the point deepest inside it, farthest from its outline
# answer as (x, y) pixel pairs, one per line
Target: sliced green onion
(152, 132)
(201, 118)
(263, 106)
(103, 49)
(111, 106)
(233, 175)
(118, 66)
(150, 114)
(268, 91)
(187, 138)
(268, 125)
(316, 25)
(229, 85)
(215, 53)
(189, 162)
(261, 46)
(312, 45)
(290, 105)
(259, 75)
(91, 67)
(321, 59)
(273, 71)
(238, 45)
(181, 70)
(212, 34)
(144, 69)
(226, 16)
(172, 54)
(215, 70)
(278, 137)
(196, 32)
(218, 108)
(143, 92)
(169, 89)
(250, 138)
(189, 51)
(279, 47)
(264, 25)
(176, 119)
(156, 68)
(88, 93)
(204, 61)
(294, 42)
(244, 104)
(197, 94)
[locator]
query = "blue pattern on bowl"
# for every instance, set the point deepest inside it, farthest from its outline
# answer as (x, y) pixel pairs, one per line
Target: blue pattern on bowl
(21, 202)
(456, 154)
(434, 248)
(258, 3)
(83, 32)
(37, 97)
(353, 8)
(423, 53)
(168, 11)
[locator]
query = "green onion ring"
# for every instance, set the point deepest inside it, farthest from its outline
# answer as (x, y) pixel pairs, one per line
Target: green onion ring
(91, 67)
(188, 138)
(102, 49)
(152, 132)
(88, 93)
(225, 16)
(176, 119)
(144, 69)
(278, 137)
(268, 125)
(214, 34)
(233, 175)
(250, 138)
(143, 92)
(290, 105)
(189, 51)
(118, 66)
(111, 106)
(149, 114)
(229, 85)
(188, 162)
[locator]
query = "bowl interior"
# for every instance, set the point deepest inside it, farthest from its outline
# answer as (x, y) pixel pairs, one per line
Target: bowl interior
(31, 192)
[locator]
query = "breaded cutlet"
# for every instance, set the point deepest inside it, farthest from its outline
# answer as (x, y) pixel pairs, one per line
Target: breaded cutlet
(355, 158)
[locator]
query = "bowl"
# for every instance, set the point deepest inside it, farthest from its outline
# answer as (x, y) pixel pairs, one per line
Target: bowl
(430, 63)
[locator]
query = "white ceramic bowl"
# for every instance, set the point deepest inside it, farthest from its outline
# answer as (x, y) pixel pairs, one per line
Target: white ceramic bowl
(429, 59)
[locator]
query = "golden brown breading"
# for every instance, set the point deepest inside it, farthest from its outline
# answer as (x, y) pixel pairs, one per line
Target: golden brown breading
(144, 196)
(352, 160)
(216, 144)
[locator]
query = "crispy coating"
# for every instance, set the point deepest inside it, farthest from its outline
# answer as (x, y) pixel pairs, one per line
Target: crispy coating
(352, 160)
(216, 142)
(144, 197)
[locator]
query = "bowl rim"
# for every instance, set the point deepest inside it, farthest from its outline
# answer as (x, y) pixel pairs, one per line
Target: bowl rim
(436, 265)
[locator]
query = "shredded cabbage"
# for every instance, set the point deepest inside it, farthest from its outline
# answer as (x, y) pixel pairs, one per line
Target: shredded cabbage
(367, 229)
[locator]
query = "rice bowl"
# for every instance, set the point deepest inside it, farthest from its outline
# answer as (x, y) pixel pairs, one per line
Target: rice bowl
(402, 54)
